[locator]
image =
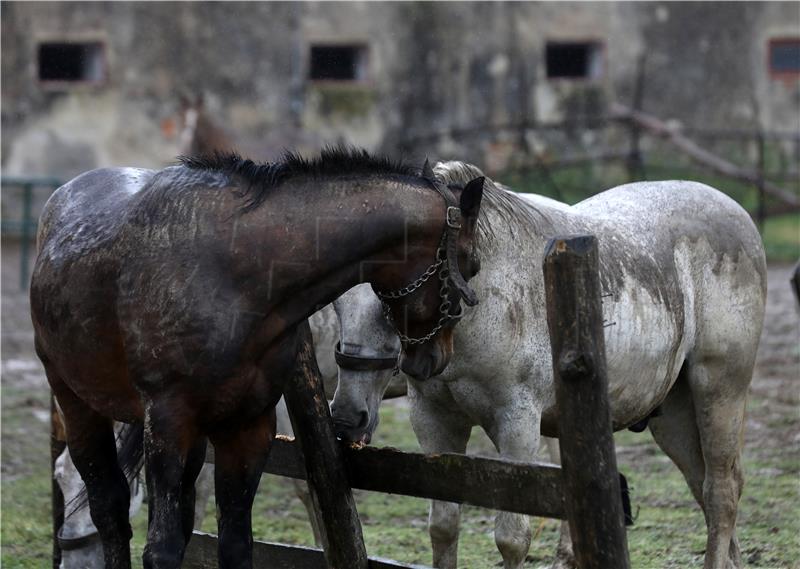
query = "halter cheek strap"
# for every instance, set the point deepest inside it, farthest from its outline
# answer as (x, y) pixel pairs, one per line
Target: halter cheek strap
(450, 236)
(453, 221)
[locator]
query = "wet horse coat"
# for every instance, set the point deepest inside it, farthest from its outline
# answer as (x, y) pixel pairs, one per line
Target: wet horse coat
(157, 298)
(683, 269)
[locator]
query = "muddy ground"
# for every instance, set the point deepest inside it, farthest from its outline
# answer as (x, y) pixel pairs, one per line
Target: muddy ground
(770, 506)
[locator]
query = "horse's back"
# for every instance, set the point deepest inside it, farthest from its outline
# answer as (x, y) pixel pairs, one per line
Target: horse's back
(686, 266)
(89, 208)
(669, 211)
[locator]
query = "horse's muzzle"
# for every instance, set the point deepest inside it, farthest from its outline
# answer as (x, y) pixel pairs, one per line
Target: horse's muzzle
(425, 361)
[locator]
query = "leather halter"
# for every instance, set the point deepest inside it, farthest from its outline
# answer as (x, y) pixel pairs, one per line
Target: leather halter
(362, 363)
(450, 237)
(73, 543)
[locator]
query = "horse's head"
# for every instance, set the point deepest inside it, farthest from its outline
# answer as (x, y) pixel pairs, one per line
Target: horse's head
(425, 310)
(367, 357)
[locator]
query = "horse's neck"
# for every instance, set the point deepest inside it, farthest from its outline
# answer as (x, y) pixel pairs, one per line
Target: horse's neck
(516, 229)
(351, 235)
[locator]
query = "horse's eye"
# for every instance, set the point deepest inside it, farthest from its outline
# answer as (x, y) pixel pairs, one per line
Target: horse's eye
(474, 266)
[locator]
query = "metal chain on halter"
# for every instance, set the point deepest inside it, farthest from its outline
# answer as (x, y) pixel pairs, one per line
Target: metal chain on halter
(408, 289)
(444, 306)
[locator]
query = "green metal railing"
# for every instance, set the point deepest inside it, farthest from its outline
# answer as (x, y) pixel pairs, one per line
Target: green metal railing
(26, 226)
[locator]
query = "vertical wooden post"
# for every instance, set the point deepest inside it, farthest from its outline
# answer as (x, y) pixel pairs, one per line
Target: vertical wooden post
(340, 526)
(588, 462)
(635, 162)
(762, 165)
(26, 237)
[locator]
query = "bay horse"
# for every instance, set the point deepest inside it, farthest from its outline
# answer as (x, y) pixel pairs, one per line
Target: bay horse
(78, 537)
(684, 272)
(177, 300)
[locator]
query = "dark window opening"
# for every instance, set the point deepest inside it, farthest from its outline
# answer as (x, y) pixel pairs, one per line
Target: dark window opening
(784, 56)
(338, 63)
(62, 61)
(574, 60)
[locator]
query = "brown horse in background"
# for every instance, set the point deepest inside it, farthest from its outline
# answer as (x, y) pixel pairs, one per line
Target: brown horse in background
(199, 134)
(177, 300)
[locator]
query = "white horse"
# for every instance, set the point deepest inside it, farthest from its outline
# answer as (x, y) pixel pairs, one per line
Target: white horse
(684, 269)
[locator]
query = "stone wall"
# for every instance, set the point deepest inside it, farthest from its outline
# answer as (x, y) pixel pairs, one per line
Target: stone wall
(430, 66)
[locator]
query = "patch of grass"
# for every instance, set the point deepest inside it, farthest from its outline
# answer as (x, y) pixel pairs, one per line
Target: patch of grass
(669, 531)
(782, 237)
(26, 529)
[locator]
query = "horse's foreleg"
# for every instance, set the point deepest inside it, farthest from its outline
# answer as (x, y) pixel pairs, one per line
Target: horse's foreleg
(441, 429)
(90, 439)
(516, 436)
(239, 460)
(194, 463)
(204, 490)
(565, 555)
(167, 445)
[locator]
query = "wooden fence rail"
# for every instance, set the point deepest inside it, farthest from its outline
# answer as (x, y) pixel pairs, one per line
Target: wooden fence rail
(526, 488)
(500, 484)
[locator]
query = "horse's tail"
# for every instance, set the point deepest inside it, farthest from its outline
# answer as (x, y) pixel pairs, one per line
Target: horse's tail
(130, 456)
(130, 450)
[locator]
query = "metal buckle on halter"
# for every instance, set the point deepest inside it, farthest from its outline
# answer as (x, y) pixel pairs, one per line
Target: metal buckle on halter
(453, 217)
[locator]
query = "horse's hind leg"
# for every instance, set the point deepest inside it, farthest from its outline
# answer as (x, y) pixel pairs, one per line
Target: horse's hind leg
(719, 391)
(239, 461)
(705, 445)
(675, 431)
(90, 439)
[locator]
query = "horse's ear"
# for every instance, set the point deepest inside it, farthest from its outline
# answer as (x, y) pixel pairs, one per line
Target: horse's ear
(427, 171)
(471, 197)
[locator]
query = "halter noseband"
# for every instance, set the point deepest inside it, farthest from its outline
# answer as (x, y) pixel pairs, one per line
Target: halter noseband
(362, 363)
(445, 264)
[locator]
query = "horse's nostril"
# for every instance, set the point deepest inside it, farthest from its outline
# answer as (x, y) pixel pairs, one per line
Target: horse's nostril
(363, 420)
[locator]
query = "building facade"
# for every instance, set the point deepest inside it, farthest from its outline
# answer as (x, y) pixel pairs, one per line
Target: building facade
(94, 84)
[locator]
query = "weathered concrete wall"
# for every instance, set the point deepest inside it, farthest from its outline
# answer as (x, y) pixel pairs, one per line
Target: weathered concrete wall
(430, 66)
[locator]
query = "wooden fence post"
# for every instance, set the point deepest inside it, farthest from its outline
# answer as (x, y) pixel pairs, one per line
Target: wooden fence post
(635, 162)
(761, 210)
(340, 526)
(589, 467)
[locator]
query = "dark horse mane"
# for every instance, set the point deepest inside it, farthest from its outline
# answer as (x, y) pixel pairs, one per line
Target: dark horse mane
(333, 161)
